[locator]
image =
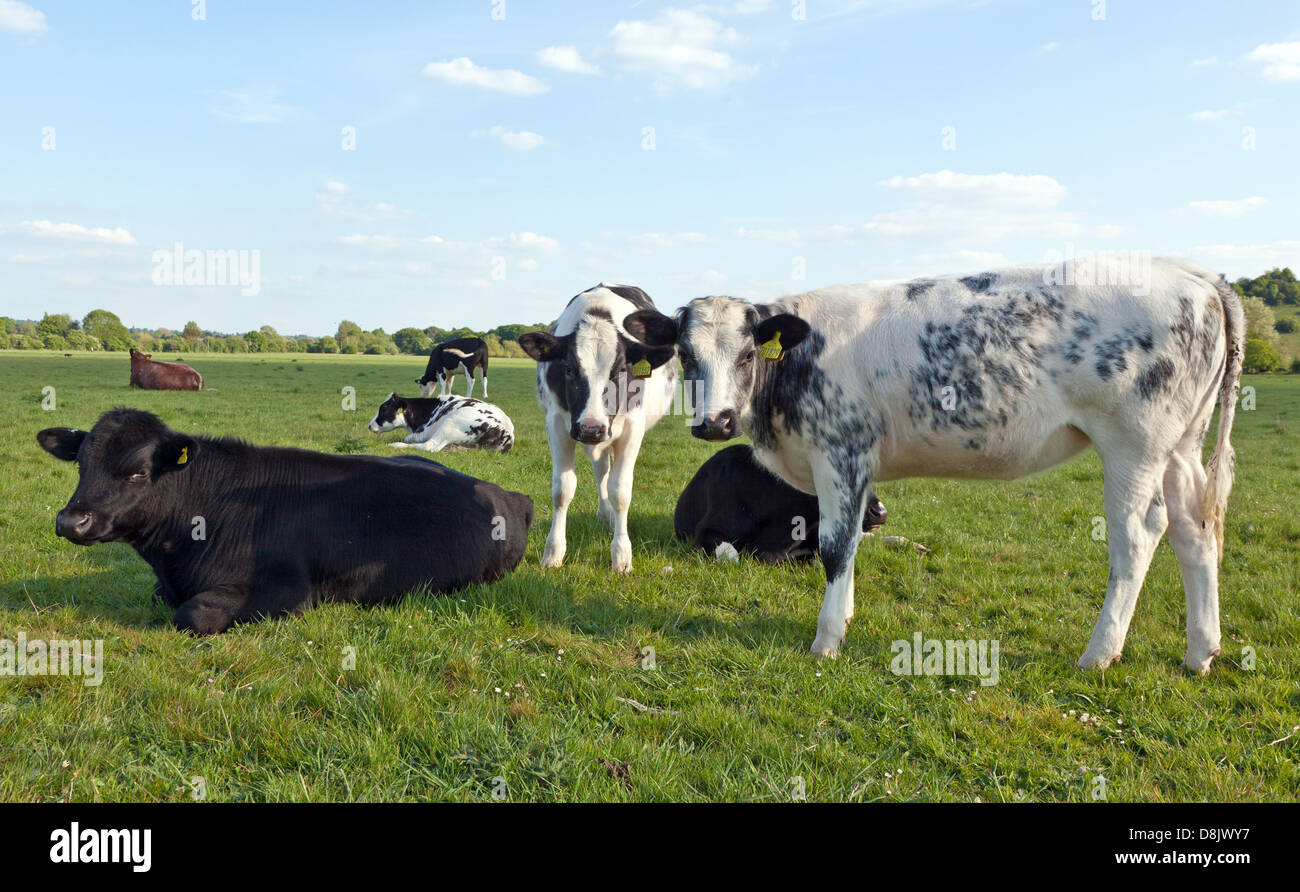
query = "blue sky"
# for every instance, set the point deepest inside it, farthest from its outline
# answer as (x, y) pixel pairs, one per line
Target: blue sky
(510, 154)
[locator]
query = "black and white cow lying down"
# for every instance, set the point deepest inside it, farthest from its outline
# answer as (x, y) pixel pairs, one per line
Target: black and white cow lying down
(998, 375)
(445, 422)
(451, 358)
(734, 505)
(588, 386)
(235, 532)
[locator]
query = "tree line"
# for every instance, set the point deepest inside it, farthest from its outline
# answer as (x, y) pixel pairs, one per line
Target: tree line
(103, 330)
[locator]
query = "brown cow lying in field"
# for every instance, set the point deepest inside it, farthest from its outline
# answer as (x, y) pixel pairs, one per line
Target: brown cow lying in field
(150, 375)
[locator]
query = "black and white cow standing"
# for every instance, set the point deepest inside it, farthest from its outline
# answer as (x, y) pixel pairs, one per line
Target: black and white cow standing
(994, 375)
(445, 422)
(733, 504)
(588, 386)
(447, 360)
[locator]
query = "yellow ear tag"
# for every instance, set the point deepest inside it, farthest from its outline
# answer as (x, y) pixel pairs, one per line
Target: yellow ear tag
(641, 368)
(185, 455)
(771, 351)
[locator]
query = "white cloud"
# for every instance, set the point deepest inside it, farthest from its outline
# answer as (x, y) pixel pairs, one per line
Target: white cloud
(519, 140)
(1110, 230)
(256, 105)
(464, 73)
(1281, 61)
(964, 260)
(1203, 63)
(670, 239)
(565, 58)
(1226, 208)
(29, 258)
(76, 232)
(1215, 114)
(1006, 189)
(679, 48)
(19, 18)
(1049, 47)
(529, 241)
(331, 204)
(1280, 253)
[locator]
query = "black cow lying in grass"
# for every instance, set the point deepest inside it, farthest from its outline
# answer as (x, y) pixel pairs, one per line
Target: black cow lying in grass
(236, 532)
(733, 504)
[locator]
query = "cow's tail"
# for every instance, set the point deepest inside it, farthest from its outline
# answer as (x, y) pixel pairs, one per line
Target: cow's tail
(1219, 471)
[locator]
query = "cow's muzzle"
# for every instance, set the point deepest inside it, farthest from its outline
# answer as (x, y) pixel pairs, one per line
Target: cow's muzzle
(589, 432)
(723, 426)
(74, 525)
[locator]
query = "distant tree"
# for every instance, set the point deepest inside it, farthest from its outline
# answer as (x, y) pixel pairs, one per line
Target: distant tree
(108, 329)
(192, 332)
(256, 341)
(1261, 356)
(7, 325)
(1259, 319)
(327, 344)
(55, 325)
(1284, 326)
(411, 340)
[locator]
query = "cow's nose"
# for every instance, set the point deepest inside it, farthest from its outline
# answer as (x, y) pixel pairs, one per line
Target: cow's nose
(591, 431)
(722, 426)
(73, 524)
(876, 512)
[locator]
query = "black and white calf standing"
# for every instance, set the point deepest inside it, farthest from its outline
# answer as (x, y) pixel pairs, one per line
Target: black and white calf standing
(445, 422)
(734, 505)
(588, 386)
(994, 375)
(236, 533)
(459, 357)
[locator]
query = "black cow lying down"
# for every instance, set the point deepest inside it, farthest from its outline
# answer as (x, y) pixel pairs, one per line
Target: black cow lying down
(236, 532)
(733, 504)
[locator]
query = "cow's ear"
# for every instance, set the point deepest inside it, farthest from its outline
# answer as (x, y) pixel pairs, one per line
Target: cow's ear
(542, 346)
(61, 442)
(176, 453)
(651, 327)
(792, 331)
(656, 356)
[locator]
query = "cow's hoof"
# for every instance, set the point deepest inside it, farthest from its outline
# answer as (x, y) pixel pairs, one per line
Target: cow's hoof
(552, 559)
(825, 649)
(1091, 660)
(726, 553)
(621, 556)
(1199, 664)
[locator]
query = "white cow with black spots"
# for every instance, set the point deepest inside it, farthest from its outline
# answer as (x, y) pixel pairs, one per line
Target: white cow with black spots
(445, 422)
(602, 390)
(994, 375)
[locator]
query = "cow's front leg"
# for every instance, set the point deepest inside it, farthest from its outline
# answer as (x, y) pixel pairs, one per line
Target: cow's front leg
(564, 482)
(622, 465)
(842, 485)
(212, 611)
(600, 471)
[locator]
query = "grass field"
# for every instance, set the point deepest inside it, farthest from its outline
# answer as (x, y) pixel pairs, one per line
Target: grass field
(522, 680)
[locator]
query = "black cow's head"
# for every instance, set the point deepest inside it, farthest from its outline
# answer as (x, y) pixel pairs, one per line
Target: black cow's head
(124, 463)
(391, 414)
(719, 340)
(586, 368)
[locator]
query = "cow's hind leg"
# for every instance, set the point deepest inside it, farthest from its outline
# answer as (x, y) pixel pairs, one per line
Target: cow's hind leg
(842, 487)
(1136, 518)
(564, 482)
(1194, 545)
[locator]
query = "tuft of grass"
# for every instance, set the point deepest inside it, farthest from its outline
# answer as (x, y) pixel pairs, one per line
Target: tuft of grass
(525, 688)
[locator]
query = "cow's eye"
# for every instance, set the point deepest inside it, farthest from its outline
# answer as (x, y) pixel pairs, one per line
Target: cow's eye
(139, 476)
(748, 357)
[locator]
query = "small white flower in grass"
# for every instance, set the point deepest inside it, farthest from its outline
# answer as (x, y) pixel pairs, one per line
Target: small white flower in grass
(543, 675)
(498, 690)
(668, 569)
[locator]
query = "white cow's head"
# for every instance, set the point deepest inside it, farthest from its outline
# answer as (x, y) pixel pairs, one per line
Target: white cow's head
(585, 368)
(719, 341)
